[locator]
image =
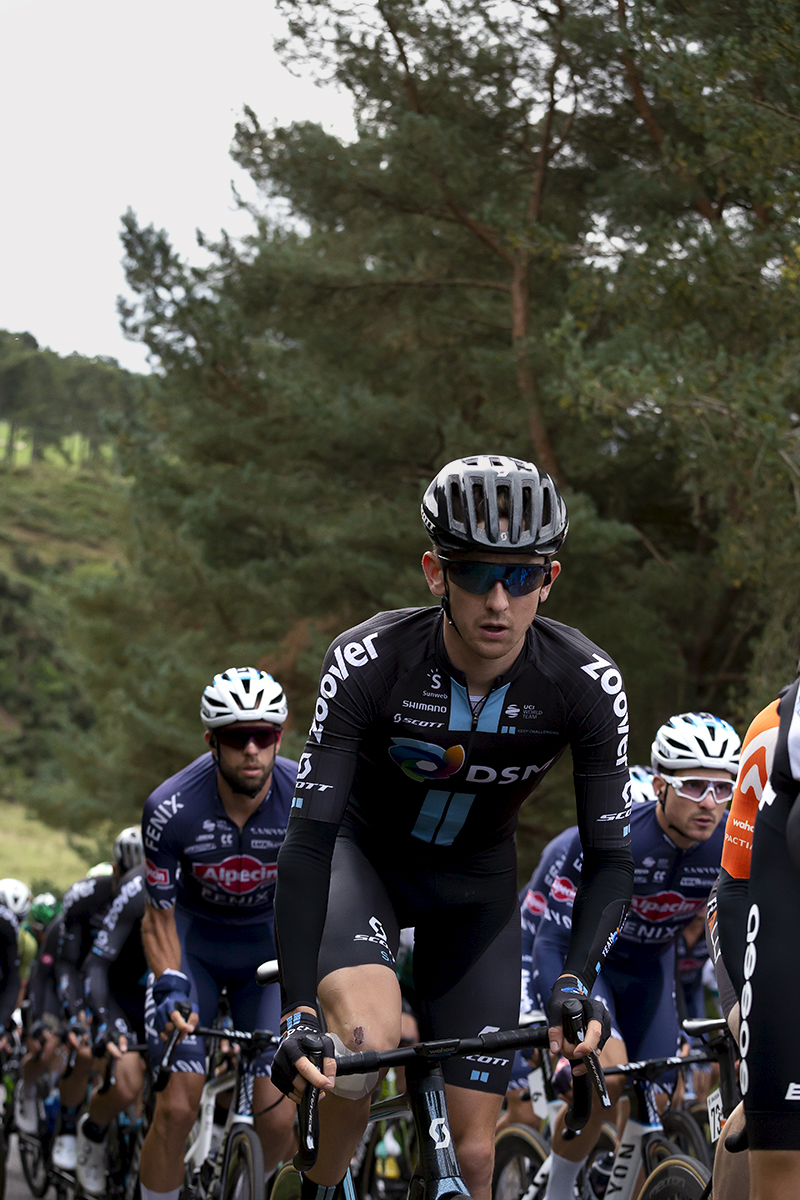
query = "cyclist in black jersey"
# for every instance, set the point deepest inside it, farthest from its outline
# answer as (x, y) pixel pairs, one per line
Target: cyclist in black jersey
(114, 973)
(430, 730)
(85, 906)
(769, 1074)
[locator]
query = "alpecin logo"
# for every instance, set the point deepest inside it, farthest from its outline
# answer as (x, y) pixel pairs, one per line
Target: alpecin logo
(421, 761)
(238, 874)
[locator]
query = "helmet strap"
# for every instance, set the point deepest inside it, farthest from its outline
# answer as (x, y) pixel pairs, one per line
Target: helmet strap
(446, 602)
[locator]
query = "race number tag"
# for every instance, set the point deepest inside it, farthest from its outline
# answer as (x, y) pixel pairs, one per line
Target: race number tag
(714, 1106)
(536, 1089)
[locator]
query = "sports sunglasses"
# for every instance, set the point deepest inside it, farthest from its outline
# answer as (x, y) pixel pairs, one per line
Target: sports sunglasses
(478, 578)
(238, 738)
(696, 788)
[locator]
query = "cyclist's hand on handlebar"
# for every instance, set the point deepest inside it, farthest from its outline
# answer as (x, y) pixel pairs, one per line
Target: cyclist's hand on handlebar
(596, 1020)
(169, 990)
(292, 1070)
(185, 1025)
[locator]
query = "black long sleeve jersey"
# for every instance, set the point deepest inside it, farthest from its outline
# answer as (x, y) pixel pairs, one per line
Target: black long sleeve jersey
(399, 753)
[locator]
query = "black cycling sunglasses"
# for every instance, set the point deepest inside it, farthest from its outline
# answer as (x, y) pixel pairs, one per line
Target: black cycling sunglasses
(519, 579)
(237, 738)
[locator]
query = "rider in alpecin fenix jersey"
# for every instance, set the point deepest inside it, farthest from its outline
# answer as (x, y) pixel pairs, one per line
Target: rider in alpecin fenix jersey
(430, 730)
(212, 834)
(676, 843)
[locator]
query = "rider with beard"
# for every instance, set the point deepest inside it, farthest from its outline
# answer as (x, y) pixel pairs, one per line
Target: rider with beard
(212, 834)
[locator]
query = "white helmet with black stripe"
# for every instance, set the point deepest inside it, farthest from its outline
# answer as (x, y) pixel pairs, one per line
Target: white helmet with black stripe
(696, 739)
(128, 848)
(243, 694)
(17, 896)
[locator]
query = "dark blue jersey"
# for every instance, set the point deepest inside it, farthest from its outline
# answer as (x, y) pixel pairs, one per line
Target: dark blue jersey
(533, 902)
(199, 859)
(670, 886)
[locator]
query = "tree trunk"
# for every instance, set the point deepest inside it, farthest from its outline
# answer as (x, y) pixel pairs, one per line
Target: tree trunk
(526, 379)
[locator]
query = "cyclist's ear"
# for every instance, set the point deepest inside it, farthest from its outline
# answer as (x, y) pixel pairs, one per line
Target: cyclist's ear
(433, 572)
(553, 572)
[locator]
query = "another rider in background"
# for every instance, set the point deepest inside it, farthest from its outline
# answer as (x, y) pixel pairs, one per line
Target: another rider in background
(17, 897)
(9, 954)
(85, 905)
(676, 843)
(45, 1014)
(114, 974)
(533, 904)
(212, 834)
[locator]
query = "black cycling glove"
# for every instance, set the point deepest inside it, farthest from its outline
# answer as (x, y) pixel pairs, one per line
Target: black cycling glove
(293, 1029)
(570, 987)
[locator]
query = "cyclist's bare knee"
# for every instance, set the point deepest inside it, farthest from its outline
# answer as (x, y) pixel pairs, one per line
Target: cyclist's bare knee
(363, 1006)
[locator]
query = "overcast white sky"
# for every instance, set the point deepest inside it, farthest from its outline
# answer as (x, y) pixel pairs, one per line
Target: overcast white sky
(110, 104)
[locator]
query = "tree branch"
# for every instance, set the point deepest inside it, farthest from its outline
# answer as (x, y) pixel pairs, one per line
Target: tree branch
(430, 283)
(411, 87)
(711, 212)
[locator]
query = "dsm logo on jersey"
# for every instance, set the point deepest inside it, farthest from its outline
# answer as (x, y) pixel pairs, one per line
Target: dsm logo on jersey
(421, 760)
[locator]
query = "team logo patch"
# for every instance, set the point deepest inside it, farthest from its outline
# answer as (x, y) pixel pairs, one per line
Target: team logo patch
(664, 906)
(536, 903)
(237, 874)
(421, 760)
(563, 890)
(156, 876)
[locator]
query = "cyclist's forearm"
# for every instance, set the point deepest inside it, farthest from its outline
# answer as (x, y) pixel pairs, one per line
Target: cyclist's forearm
(162, 947)
(301, 901)
(96, 982)
(732, 909)
(600, 906)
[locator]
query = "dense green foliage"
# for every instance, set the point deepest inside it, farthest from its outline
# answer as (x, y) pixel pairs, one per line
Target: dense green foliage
(57, 518)
(565, 231)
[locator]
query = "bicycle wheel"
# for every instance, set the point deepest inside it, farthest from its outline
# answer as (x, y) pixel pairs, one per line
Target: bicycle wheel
(683, 1130)
(388, 1162)
(34, 1164)
(676, 1178)
(286, 1185)
(243, 1170)
(519, 1152)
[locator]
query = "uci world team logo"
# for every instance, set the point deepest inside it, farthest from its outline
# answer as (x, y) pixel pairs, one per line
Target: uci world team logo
(421, 760)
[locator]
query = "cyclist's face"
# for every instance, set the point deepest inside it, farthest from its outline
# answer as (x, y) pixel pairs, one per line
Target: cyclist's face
(249, 769)
(493, 625)
(694, 820)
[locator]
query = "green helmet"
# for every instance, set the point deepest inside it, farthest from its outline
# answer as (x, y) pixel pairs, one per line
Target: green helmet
(44, 908)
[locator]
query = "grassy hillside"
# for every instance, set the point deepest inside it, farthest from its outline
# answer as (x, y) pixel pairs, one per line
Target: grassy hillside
(61, 515)
(36, 854)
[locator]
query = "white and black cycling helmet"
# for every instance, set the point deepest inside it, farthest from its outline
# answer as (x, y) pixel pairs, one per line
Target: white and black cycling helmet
(243, 694)
(641, 784)
(17, 896)
(695, 740)
(463, 506)
(128, 848)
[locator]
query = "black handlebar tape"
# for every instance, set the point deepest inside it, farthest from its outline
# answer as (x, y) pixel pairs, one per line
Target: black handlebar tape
(165, 1070)
(308, 1113)
(578, 1115)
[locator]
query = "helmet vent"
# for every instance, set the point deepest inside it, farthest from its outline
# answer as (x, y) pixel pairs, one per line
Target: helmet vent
(547, 508)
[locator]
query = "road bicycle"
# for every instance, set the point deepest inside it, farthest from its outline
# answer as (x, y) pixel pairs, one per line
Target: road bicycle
(656, 1144)
(226, 1162)
(436, 1175)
